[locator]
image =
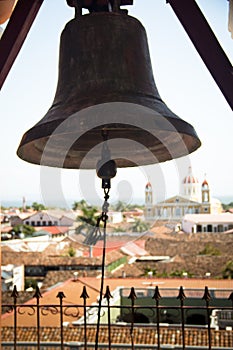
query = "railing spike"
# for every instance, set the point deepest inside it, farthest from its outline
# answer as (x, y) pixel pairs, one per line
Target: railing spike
(231, 297)
(37, 294)
(156, 295)
(84, 294)
(60, 295)
(181, 294)
(108, 294)
(14, 293)
(206, 295)
(132, 294)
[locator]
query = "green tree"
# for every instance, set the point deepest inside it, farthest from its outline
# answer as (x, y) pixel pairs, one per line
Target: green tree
(88, 221)
(38, 206)
(140, 226)
(27, 207)
(209, 249)
(80, 205)
(30, 283)
(27, 230)
(148, 271)
(122, 206)
(180, 273)
(71, 252)
(88, 225)
(227, 206)
(227, 273)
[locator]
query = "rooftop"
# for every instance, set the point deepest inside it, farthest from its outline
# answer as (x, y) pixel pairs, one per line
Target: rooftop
(121, 335)
(73, 289)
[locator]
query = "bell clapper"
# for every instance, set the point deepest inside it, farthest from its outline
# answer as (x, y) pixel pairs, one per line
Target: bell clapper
(106, 167)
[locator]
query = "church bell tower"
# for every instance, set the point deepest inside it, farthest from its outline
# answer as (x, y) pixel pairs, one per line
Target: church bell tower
(205, 198)
(149, 211)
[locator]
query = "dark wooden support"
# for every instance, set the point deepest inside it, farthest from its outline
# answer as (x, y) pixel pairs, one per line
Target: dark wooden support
(15, 33)
(91, 3)
(206, 43)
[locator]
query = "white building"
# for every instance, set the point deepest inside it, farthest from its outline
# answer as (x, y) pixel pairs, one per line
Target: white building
(115, 217)
(193, 223)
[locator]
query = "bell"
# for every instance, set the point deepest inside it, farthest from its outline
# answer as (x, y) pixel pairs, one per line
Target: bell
(106, 83)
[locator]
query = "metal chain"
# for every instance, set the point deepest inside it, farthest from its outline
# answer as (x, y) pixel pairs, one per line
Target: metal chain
(103, 218)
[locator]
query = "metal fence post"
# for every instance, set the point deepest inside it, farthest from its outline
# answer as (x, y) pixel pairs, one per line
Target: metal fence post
(14, 295)
(38, 295)
(132, 296)
(156, 297)
(182, 297)
(61, 296)
(84, 296)
(207, 299)
(108, 296)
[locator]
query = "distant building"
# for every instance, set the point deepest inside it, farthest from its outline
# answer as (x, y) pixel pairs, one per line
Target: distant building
(132, 215)
(193, 223)
(11, 276)
(193, 199)
(115, 217)
(44, 218)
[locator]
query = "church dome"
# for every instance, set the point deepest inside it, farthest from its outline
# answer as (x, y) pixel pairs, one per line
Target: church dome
(204, 183)
(190, 178)
(148, 186)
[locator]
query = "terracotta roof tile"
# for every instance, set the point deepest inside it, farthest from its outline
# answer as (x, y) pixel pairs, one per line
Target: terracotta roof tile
(121, 335)
(39, 258)
(53, 229)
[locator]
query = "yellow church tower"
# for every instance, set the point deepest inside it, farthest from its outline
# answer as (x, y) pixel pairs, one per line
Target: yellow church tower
(205, 198)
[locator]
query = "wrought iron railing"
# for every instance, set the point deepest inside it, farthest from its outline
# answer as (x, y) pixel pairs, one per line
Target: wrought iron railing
(129, 325)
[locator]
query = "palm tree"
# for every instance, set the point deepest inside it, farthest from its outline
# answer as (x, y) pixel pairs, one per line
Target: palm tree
(38, 206)
(80, 205)
(89, 216)
(88, 222)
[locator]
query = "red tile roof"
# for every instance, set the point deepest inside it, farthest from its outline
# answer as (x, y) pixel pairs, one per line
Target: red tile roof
(6, 229)
(54, 230)
(121, 335)
(72, 289)
(136, 246)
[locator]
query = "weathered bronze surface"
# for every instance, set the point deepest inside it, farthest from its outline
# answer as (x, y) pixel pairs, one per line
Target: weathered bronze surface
(106, 81)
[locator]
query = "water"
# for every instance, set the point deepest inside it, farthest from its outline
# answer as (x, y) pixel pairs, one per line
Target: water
(18, 203)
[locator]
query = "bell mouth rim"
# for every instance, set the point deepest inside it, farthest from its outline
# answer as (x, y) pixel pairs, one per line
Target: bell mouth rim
(53, 142)
(40, 150)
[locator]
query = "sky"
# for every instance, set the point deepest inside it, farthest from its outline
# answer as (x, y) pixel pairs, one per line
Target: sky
(183, 82)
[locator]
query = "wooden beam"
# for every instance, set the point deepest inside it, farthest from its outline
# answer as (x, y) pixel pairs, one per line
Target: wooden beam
(206, 43)
(91, 3)
(15, 33)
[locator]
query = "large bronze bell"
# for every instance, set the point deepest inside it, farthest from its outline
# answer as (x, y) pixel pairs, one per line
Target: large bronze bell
(106, 84)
